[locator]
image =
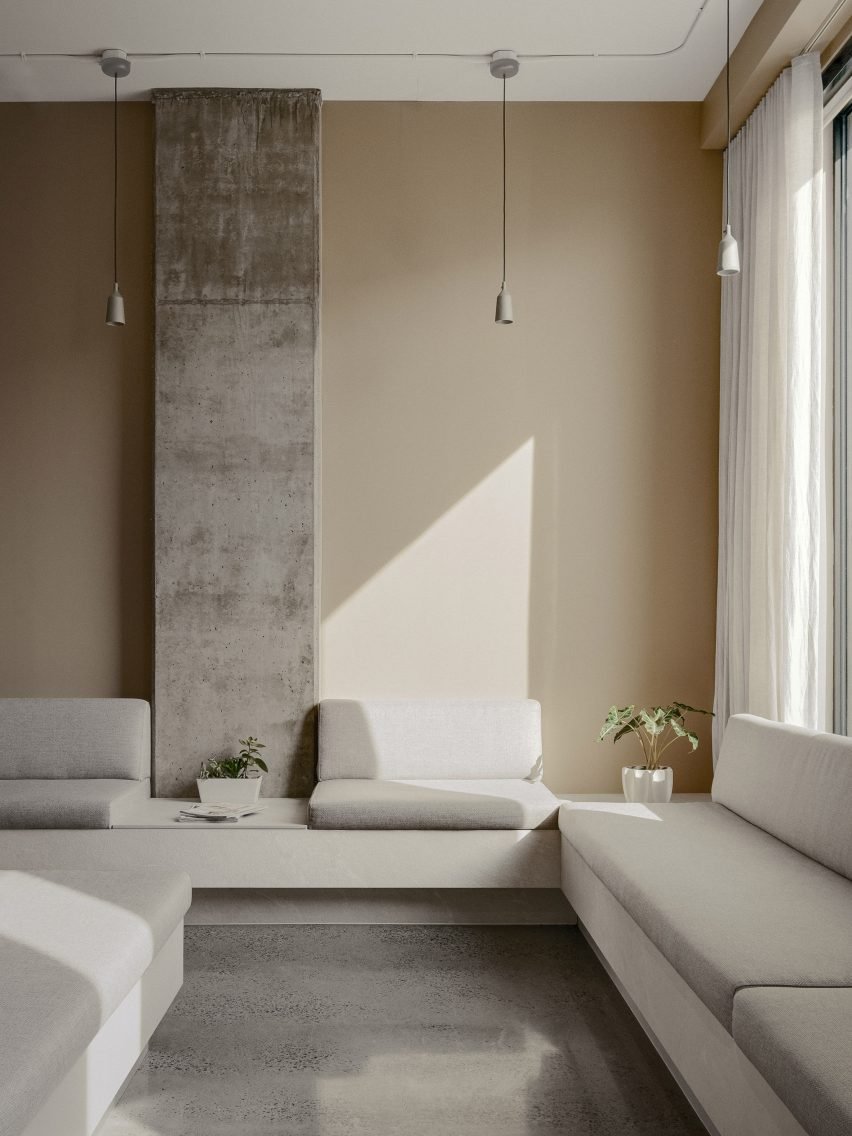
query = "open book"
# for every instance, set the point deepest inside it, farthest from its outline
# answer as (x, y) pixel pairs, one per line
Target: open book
(223, 812)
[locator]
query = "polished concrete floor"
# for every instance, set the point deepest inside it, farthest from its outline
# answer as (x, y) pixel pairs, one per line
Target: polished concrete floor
(398, 1031)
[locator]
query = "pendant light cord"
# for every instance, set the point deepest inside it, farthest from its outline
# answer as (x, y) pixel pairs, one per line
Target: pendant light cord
(728, 105)
(115, 180)
(504, 179)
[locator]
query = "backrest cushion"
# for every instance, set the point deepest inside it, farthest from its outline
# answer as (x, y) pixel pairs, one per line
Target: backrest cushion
(429, 740)
(75, 737)
(794, 784)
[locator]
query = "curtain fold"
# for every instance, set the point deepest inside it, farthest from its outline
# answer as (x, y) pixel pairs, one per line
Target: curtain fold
(771, 601)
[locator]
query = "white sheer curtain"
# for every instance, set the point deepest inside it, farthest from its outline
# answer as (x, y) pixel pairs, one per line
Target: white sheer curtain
(771, 598)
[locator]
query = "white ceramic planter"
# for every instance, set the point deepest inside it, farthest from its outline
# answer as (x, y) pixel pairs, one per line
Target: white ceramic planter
(228, 790)
(653, 786)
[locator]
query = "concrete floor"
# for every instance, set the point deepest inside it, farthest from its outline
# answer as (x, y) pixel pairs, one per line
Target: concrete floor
(398, 1031)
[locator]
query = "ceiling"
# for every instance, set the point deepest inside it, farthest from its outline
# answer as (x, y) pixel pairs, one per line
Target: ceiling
(374, 49)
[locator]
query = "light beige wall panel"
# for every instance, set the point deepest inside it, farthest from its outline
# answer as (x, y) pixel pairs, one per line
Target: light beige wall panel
(525, 509)
(75, 403)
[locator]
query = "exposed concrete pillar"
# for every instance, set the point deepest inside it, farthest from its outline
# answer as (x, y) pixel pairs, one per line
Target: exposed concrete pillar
(237, 317)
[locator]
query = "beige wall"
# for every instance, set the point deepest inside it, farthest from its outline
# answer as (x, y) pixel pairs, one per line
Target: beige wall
(525, 509)
(75, 404)
(505, 510)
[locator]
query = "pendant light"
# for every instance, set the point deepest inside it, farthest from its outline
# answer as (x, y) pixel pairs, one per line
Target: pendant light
(115, 65)
(504, 65)
(728, 263)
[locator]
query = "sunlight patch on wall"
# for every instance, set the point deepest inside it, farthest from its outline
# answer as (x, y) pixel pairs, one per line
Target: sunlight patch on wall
(448, 616)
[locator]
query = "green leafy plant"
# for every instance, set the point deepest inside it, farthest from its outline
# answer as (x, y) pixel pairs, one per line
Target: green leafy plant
(239, 766)
(656, 728)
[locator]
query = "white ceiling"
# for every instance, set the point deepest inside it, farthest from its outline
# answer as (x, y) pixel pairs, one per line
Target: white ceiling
(410, 31)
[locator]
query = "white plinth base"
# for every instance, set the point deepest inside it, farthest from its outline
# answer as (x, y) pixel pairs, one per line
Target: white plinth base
(274, 849)
(505, 907)
(81, 1099)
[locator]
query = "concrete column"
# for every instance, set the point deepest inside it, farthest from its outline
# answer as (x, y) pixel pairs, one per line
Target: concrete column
(237, 314)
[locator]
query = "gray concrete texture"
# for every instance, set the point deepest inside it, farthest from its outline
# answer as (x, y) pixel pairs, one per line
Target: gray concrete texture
(237, 298)
(398, 1031)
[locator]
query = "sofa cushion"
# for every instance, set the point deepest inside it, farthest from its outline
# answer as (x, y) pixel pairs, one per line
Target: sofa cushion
(75, 737)
(793, 783)
(726, 904)
(429, 739)
(72, 945)
(66, 804)
(454, 804)
(801, 1041)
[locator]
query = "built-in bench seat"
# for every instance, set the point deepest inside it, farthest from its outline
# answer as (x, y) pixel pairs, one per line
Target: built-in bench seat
(728, 924)
(72, 762)
(456, 804)
(412, 794)
(438, 764)
(89, 961)
(727, 904)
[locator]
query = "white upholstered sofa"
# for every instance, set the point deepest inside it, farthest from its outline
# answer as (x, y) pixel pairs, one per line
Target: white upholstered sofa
(726, 923)
(728, 926)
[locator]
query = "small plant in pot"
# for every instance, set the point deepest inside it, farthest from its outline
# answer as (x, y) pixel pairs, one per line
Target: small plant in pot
(233, 780)
(656, 728)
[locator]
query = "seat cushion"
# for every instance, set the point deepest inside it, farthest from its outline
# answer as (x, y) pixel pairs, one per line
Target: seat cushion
(726, 904)
(801, 1041)
(795, 784)
(432, 739)
(512, 804)
(72, 946)
(66, 804)
(75, 737)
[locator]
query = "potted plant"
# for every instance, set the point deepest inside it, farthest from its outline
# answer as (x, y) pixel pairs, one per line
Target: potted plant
(233, 780)
(656, 729)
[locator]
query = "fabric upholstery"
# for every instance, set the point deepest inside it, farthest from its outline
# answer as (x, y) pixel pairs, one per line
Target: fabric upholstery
(793, 783)
(801, 1041)
(453, 804)
(72, 946)
(727, 904)
(434, 740)
(773, 456)
(80, 803)
(75, 737)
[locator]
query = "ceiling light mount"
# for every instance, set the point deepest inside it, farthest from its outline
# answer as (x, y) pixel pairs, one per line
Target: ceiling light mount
(115, 63)
(728, 261)
(504, 64)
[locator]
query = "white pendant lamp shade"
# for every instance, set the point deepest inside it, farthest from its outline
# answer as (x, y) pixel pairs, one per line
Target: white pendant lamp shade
(115, 65)
(115, 308)
(504, 313)
(728, 260)
(728, 263)
(503, 65)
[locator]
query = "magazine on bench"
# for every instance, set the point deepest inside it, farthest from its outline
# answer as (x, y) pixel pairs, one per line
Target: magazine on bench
(223, 812)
